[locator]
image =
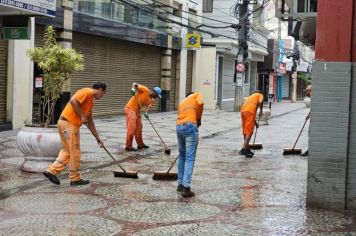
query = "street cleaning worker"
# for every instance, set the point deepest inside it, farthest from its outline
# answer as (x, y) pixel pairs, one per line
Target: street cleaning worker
(248, 117)
(308, 92)
(142, 97)
(190, 111)
(78, 111)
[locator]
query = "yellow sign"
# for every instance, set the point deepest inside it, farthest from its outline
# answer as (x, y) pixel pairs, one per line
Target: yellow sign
(192, 41)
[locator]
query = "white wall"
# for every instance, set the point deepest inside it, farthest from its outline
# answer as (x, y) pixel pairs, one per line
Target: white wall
(205, 75)
(20, 81)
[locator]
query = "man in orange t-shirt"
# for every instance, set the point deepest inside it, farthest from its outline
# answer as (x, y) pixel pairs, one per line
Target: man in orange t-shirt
(248, 117)
(142, 97)
(190, 111)
(78, 111)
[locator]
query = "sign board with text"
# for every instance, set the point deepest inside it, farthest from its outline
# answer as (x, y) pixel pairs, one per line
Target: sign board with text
(40, 7)
(15, 33)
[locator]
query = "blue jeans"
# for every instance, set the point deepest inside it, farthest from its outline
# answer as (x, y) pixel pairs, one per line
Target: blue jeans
(187, 136)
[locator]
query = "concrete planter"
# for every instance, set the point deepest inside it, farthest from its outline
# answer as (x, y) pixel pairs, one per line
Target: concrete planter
(40, 147)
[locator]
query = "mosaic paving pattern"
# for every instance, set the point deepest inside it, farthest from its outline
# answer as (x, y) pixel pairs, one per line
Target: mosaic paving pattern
(198, 230)
(226, 197)
(59, 225)
(51, 188)
(226, 183)
(13, 160)
(54, 203)
(11, 152)
(162, 212)
(114, 191)
(282, 220)
(138, 192)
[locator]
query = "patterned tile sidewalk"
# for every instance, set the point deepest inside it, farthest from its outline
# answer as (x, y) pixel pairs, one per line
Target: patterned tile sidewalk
(264, 195)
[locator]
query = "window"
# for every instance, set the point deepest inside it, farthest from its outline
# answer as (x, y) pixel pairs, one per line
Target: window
(86, 7)
(207, 6)
(131, 15)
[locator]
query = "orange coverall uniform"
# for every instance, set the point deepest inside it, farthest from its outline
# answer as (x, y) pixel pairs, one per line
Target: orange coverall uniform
(133, 115)
(190, 109)
(68, 128)
(248, 113)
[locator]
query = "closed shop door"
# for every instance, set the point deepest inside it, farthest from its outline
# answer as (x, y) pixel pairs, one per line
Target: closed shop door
(188, 87)
(3, 80)
(173, 80)
(285, 86)
(118, 63)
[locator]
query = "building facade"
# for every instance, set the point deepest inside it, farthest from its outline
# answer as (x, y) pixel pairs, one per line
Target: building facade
(122, 42)
(220, 48)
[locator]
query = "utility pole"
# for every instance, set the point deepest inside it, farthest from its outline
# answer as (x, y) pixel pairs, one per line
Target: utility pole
(242, 52)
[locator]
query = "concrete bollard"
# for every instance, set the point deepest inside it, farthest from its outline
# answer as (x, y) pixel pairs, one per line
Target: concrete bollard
(266, 112)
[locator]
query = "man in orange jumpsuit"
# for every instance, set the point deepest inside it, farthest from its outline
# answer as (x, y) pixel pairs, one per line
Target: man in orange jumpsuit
(78, 111)
(142, 97)
(248, 117)
(190, 111)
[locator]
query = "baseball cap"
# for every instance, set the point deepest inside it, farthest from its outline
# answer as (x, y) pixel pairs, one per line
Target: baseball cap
(158, 90)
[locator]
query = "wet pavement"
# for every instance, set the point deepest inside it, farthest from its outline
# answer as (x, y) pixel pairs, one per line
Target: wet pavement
(264, 195)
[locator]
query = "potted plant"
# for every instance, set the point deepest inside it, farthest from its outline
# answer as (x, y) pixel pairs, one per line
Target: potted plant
(40, 143)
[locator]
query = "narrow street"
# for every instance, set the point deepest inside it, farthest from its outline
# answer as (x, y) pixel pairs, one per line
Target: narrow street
(264, 195)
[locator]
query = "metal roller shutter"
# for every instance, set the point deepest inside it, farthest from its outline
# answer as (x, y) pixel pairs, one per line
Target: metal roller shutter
(118, 63)
(173, 80)
(3, 80)
(188, 87)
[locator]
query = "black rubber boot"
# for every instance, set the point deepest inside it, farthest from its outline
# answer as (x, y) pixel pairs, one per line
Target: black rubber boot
(51, 177)
(305, 154)
(79, 182)
(143, 147)
(187, 193)
(180, 188)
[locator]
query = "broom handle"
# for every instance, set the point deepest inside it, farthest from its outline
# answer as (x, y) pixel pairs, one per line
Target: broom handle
(107, 151)
(173, 163)
(258, 122)
(299, 134)
(157, 133)
(151, 123)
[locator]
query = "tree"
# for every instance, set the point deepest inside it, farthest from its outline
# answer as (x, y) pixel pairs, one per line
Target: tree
(57, 64)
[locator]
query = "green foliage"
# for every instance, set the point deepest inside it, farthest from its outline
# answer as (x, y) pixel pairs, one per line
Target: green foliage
(307, 78)
(57, 64)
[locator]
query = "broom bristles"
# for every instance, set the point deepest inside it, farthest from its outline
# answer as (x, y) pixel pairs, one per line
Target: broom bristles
(164, 176)
(256, 146)
(292, 151)
(127, 174)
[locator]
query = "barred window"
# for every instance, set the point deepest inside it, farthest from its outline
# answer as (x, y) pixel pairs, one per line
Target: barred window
(207, 6)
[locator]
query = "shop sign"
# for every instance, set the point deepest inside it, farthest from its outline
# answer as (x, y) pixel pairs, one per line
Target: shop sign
(240, 67)
(15, 33)
(38, 82)
(41, 7)
(282, 68)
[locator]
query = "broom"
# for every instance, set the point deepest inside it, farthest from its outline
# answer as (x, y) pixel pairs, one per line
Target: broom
(165, 175)
(294, 151)
(256, 146)
(166, 150)
(123, 173)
